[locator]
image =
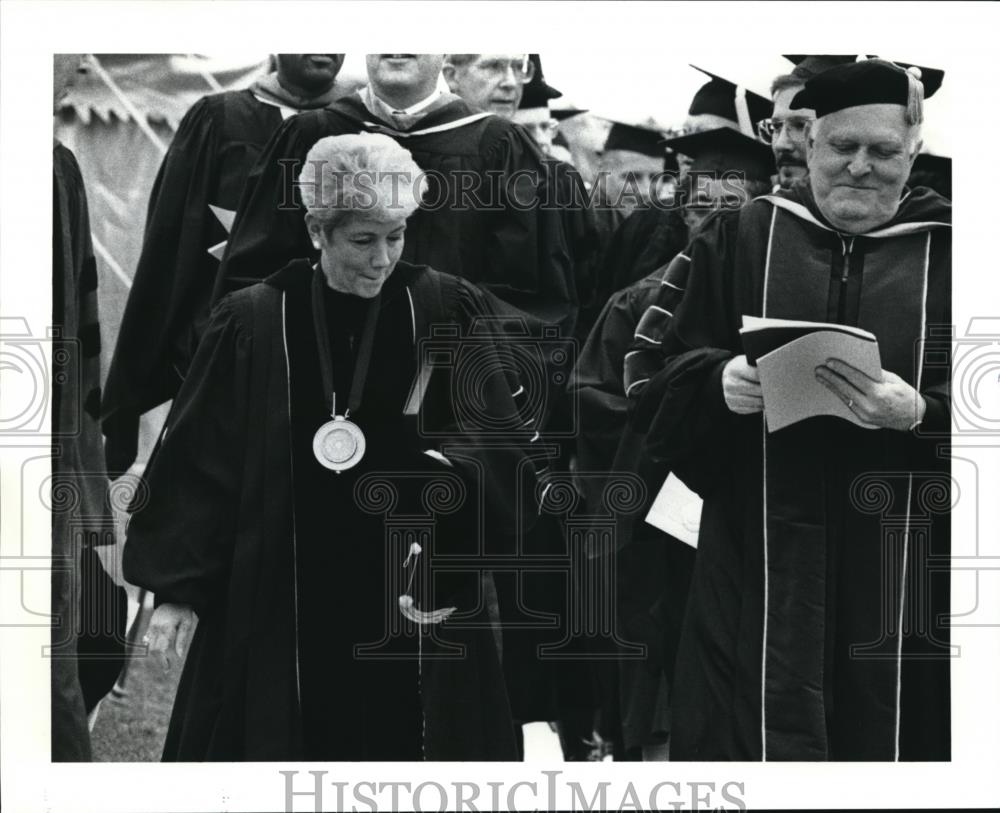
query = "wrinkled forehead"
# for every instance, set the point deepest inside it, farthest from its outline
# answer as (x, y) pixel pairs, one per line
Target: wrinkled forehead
(629, 161)
(884, 122)
(482, 59)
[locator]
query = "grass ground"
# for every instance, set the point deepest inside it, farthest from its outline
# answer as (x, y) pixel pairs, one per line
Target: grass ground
(132, 727)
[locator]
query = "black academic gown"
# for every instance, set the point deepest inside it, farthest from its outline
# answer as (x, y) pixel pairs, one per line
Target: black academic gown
(816, 539)
(653, 569)
(79, 485)
(496, 236)
(217, 143)
(301, 651)
(641, 243)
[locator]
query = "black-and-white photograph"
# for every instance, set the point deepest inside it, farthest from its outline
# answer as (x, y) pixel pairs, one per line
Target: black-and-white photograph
(493, 412)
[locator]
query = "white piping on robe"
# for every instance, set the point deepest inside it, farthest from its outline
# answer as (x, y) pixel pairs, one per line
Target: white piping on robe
(413, 317)
(286, 112)
(440, 128)
(763, 655)
(295, 551)
(635, 384)
(802, 212)
(909, 505)
(899, 618)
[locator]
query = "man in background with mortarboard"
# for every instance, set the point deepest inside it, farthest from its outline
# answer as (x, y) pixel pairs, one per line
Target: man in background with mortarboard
(191, 210)
(727, 169)
(653, 235)
(632, 163)
(811, 631)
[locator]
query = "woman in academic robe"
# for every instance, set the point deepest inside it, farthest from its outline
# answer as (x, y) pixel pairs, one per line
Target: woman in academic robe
(344, 430)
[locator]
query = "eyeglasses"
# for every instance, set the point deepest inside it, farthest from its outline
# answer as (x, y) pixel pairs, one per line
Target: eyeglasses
(522, 68)
(547, 126)
(770, 130)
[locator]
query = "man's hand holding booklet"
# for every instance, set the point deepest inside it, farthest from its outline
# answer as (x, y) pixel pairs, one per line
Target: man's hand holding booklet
(787, 354)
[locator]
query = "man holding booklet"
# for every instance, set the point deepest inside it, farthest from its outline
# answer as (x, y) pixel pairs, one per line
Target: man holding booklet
(815, 629)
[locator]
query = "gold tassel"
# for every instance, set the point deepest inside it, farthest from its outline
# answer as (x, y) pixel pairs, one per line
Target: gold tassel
(915, 97)
(420, 616)
(406, 602)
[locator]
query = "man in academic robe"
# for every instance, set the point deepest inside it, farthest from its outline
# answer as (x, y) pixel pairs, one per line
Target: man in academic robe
(816, 623)
(653, 569)
(79, 484)
(513, 87)
(654, 234)
(190, 212)
(492, 82)
(487, 216)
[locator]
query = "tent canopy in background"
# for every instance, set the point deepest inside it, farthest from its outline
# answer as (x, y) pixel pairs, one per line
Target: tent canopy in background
(119, 155)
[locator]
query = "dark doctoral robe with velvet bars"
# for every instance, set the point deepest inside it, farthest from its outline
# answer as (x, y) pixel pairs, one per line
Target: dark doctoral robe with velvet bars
(295, 572)
(217, 143)
(815, 627)
(495, 234)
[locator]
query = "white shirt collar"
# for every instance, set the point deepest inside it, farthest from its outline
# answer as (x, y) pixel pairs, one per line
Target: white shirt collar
(386, 111)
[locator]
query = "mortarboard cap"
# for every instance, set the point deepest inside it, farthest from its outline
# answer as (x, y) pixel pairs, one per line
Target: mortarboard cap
(724, 150)
(634, 139)
(563, 113)
(718, 97)
(808, 65)
(872, 81)
(537, 92)
(930, 78)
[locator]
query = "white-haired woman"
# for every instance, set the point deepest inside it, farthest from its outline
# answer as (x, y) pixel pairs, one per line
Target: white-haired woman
(313, 469)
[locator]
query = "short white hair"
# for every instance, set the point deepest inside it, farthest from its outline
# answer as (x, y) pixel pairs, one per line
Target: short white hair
(366, 173)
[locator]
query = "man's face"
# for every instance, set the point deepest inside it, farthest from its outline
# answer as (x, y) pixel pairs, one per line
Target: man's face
(540, 126)
(630, 177)
(313, 73)
(400, 73)
(697, 124)
(859, 161)
(706, 195)
(788, 141)
(492, 82)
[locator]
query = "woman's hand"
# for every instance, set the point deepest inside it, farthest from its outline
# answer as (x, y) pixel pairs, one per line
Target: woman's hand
(169, 632)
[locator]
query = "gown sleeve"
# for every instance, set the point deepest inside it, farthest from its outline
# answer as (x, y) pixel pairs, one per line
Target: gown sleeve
(674, 369)
(182, 530)
(596, 385)
(156, 338)
(475, 420)
(269, 230)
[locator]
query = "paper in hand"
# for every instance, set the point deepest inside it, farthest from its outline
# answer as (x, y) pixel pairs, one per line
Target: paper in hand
(788, 377)
(676, 511)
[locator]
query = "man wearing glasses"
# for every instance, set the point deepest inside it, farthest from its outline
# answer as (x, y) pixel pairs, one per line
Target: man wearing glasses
(786, 130)
(492, 82)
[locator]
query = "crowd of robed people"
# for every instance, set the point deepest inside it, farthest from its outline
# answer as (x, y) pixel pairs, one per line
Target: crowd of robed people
(342, 529)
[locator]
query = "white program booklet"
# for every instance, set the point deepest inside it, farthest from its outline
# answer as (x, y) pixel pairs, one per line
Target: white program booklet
(676, 511)
(788, 377)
